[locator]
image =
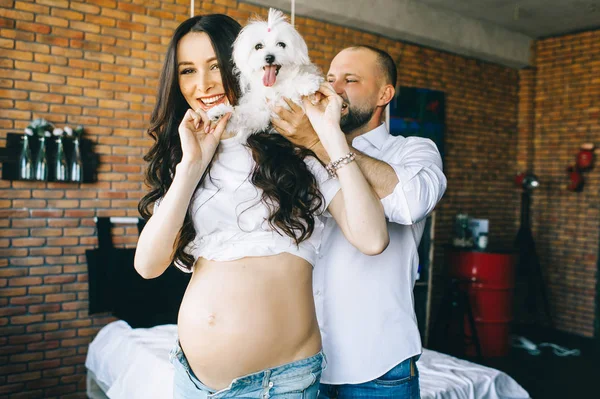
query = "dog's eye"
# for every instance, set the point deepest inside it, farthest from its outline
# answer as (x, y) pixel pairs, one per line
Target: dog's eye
(258, 46)
(281, 44)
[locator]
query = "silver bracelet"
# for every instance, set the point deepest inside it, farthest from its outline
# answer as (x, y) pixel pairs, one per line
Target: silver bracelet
(333, 166)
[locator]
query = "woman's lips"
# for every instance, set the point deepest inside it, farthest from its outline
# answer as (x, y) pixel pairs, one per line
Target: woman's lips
(207, 103)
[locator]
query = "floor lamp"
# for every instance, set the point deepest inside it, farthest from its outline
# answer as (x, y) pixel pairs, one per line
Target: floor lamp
(528, 265)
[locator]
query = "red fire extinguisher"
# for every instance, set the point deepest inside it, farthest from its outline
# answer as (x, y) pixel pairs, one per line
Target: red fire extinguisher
(584, 161)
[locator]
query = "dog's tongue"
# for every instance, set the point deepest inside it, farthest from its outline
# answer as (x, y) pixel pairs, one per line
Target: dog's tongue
(270, 75)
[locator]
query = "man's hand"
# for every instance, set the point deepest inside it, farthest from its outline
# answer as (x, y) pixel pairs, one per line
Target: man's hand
(294, 125)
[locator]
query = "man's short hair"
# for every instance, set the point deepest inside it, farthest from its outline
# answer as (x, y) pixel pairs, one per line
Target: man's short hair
(385, 63)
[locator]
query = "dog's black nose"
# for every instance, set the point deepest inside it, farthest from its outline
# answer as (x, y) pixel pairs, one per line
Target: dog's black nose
(270, 58)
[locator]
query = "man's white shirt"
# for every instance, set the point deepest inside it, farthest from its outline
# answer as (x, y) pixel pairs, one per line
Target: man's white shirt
(365, 304)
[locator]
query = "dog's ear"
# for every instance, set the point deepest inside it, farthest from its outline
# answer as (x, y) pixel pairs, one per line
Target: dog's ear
(243, 82)
(301, 48)
(240, 51)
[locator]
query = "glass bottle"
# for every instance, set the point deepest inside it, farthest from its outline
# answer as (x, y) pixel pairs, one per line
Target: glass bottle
(76, 166)
(25, 161)
(60, 163)
(41, 162)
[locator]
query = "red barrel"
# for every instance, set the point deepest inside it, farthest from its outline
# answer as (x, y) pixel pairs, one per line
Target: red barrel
(489, 280)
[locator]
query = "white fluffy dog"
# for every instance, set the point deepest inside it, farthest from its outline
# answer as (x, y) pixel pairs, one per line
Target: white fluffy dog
(271, 61)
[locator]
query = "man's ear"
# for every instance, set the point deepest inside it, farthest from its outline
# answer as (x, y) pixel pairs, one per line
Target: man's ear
(386, 94)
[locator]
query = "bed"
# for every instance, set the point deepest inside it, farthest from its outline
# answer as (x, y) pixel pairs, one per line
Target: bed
(131, 363)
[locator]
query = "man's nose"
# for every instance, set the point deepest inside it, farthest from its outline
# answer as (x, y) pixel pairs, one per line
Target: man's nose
(270, 58)
(338, 86)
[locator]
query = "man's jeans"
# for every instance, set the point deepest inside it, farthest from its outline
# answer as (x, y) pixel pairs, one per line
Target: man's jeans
(401, 382)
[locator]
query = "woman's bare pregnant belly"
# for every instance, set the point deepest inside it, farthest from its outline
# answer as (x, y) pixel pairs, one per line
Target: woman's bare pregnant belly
(244, 316)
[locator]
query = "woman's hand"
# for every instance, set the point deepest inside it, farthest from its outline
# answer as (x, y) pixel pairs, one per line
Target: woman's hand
(200, 137)
(324, 111)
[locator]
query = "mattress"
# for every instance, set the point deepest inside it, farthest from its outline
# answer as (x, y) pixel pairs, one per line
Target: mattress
(134, 363)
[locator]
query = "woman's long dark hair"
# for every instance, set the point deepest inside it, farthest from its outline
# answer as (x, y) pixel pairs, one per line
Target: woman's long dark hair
(290, 191)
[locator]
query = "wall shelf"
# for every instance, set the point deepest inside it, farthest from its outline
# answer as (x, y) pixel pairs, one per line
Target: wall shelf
(10, 157)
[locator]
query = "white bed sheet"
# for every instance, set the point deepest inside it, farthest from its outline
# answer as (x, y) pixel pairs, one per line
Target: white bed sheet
(134, 363)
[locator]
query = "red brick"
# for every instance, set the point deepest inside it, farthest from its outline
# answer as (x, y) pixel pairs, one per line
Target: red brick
(9, 311)
(26, 300)
(64, 222)
(26, 357)
(85, 26)
(59, 371)
(59, 279)
(14, 233)
(13, 94)
(12, 369)
(61, 315)
(60, 353)
(28, 261)
(7, 23)
(60, 390)
(31, 106)
(33, 375)
(10, 349)
(16, 15)
(46, 232)
(60, 297)
(46, 382)
(115, 14)
(33, 47)
(51, 21)
(79, 213)
(131, 8)
(28, 319)
(29, 204)
(25, 281)
(6, 292)
(80, 323)
(8, 388)
(48, 97)
(75, 287)
(44, 289)
(51, 59)
(24, 339)
(85, 8)
(62, 334)
(100, 20)
(33, 27)
(28, 242)
(67, 33)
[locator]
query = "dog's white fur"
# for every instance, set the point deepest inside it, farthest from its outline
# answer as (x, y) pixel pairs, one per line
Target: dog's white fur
(297, 76)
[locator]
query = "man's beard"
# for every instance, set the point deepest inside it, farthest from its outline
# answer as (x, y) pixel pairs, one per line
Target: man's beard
(355, 118)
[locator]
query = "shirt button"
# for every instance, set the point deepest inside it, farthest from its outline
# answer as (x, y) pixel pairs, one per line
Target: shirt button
(271, 384)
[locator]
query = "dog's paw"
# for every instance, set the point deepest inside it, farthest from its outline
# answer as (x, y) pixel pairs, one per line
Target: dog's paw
(309, 84)
(215, 113)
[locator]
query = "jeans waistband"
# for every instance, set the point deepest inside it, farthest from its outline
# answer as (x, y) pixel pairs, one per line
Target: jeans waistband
(314, 363)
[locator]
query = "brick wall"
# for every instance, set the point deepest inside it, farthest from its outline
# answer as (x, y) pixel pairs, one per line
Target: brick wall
(96, 63)
(566, 224)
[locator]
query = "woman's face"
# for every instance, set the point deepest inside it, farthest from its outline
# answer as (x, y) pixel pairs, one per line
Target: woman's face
(198, 71)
